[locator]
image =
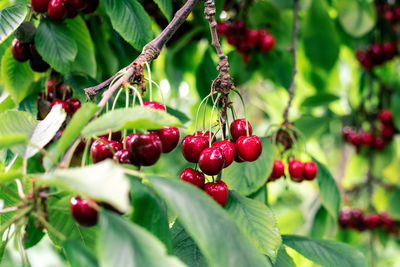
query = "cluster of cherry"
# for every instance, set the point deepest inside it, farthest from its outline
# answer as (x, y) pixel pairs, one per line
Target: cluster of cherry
(212, 156)
(61, 9)
(376, 54)
(390, 13)
(244, 39)
(367, 138)
(299, 171)
(357, 220)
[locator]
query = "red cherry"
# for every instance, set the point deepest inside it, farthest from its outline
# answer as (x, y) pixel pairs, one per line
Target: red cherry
(237, 158)
(346, 131)
(344, 217)
(296, 170)
(386, 117)
(123, 156)
(389, 15)
(127, 139)
(386, 221)
(389, 49)
(354, 139)
(238, 27)
(375, 52)
(145, 148)
(357, 219)
(211, 160)
(372, 221)
(266, 42)
(366, 139)
(238, 128)
(57, 9)
(222, 28)
(252, 37)
(83, 212)
(40, 6)
(153, 105)
(397, 13)
(379, 143)
(169, 137)
(278, 170)
(218, 191)
(207, 135)
(71, 12)
(241, 46)
(232, 40)
(51, 85)
(387, 132)
(91, 6)
(228, 149)
(310, 170)
(249, 148)
(63, 104)
(192, 146)
(364, 59)
(100, 151)
(74, 104)
(36, 62)
(20, 51)
(193, 177)
(63, 91)
(77, 4)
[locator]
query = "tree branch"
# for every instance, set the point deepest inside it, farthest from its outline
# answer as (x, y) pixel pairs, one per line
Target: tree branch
(292, 49)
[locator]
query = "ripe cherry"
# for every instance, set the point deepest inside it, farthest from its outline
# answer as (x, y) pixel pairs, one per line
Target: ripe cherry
(153, 105)
(344, 217)
(20, 51)
(238, 27)
(91, 6)
(364, 59)
(346, 131)
(127, 139)
(100, 151)
(37, 63)
(83, 211)
(64, 105)
(145, 148)
(238, 128)
(386, 220)
(310, 170)
(222, 28)
(207, 135)
(57, 9)
(74, 104)
(218, 191)
(366, 139)
(266, 42)
(389, 49)
(77, 4)
(379, 143)
(278, 170)
(296, 170)
(387, 132)
(169, 137)
(211, 160)
(123, 156)
(40, 6)
(354, 139)
(193, 177)
(252, 37)
(249, 148)
(386, 117)
(232, 40)
(192, 146)
(228, 149)
(375, 52)
(357, 219)
(372, 221)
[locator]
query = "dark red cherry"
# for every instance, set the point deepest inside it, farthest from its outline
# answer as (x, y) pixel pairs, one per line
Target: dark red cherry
(228, 149)
(36, 62)
(238, 27)
(344, 217)
(386, 220)
(232, 40)
(266, 41)
(364, 59)
(145, 148)
(241, 46)
(57, 9)
(207, 135)
(357, 219)
(91, 6)
(375, 52)
(169, 137)
(366, 138)
(389, 49)
(74, 104)
(77, 4)
(211, 160)
(192, 146)
(40, 6)
(100, 151)
(310, 170)
(296, 170)
(64, 105)
(193, 177)
(153, 105)
(387, 132)
(379, 143)
(218, 191)
(252, 37)
(372, 221)
(52, 85)
(20, 51)
(354, 139)
(127, 139)
(123, 156)
(386, 117)
(389, 15)
(346, 131)
(249, 148)
(278, 169)
(71, 12)
(83, 211)
(222, 28)
(238, 128)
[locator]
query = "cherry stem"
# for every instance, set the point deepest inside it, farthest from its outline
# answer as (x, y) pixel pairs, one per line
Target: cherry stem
(136, 92)
(151, 84)
(211, 119)
(116, 98)
(244, 111)
(198, 110)
(85, 152)
(126, 107)
(159, 89)
(49, 226)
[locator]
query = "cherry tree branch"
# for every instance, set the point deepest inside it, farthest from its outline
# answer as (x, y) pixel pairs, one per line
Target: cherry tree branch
(293, 50)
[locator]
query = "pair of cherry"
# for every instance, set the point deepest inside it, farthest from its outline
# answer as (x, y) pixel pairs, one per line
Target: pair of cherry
(23, 52)
(61, 9)
(298, 170)
(376, 54)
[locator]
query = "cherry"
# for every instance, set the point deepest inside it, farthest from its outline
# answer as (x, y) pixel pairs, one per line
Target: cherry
(252, 37)
(71, 12)
(266, 41)
(57, 9)
(64, 91)
(123, 156)
(354, 139)
(241, 46)
(296, 170)
(20, 51)
(238, 128)
(310, 170)
(64, 105)
(40, 6)
(386, 221)
(153, 105)
(91, 6)
(212, 160)
(364, 59)
(357, 219)
(387, 132)
(100, 151)
(77, 4)
(344, 217)
(238, 27)
(116, 136)
(386, 117)
(193, 177)
(372, 221)
(278, 170)
(169, 137)
(228, 149)
(37, 63)
(127, 139)
(83, 212)
(51, 85)
(375, 51)
(346, 131)
(192, 146)
(145, 148)
(218, 191)
(379, 143)
(74, 104)
(389, 49)
(249, 148)
(366, 139)
(222, 28)
(207, 135)
(389, 15)
(231, 39)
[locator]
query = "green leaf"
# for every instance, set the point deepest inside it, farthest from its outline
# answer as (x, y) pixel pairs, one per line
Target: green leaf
(393, 207)
(7, 103)
(321, 42)
(10, 140)
(132, 118)
(356, 17)
(178, 114)
(247, 177)
(328, 190)
(54, 42)
(85, 59)
(257, 221)
(321, 99)
(10, 19)
(16, 77)
(263, 13)
(310, 125)
(283, 259)
(104, 181)
(130, 20)
(395, 107)
(166, 7)
(326, 252)
(124, 244)
(78, 256)
(32, 235)
(208, 71)
(208, 224)
(10, 176)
